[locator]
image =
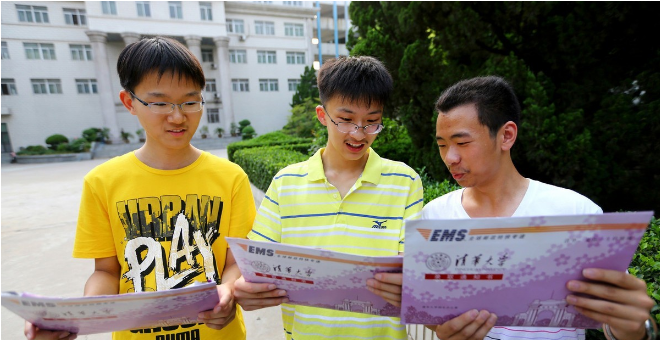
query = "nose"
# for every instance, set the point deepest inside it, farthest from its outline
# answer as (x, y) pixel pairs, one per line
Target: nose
(451, 155)
(359, 133)
(177, 116)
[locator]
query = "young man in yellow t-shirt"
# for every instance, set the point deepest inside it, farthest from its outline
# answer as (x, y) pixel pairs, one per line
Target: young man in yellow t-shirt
(344, 198)
(156, 218)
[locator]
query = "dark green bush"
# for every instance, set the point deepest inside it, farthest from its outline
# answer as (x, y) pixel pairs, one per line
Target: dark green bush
(262, 164)
(54, 140)
(93, 134)
(433, 188)
(303, 122)
(79, 145)
(35, 150)
(243, 123)
(247, 132)
(646, 263)
(268, 139)
(393, 141)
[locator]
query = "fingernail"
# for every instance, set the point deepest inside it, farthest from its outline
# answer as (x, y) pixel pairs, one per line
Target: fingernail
(473, 313)
(285, 300)
(271, 287)
(573, 285)
(590, 273)
(571, 299)
(217, 309)
(379, 276)
(281, 293)
(63, 335)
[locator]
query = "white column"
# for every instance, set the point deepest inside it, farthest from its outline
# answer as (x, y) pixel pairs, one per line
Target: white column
(194, 43)
(109, 115)
(309, 36)
(222, 55)
(130, 37)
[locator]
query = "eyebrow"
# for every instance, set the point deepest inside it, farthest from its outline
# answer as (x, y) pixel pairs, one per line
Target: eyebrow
(161, 95)
(456, 135)
(345, 110)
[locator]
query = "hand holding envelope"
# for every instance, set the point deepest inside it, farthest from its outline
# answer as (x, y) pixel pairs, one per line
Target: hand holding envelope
(253, 296)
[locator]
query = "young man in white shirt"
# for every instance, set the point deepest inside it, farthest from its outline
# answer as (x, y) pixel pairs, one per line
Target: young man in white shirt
(476, 128)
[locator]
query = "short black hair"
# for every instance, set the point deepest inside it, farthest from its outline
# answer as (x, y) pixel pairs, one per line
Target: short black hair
(160, 54)
(494, 98)
(357, 79)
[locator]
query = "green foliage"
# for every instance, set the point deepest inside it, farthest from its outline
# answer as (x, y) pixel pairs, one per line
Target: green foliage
(79, 145)
(219, 131)
(248, 132)
(434, 189)
(125, 136)
(303, 122)
(586, 118)
(35, 150)
(243, 123)
(393, 142)
(646, 263)
(269, 139)
(233, 129)
(54, 140)
(204, 130)
(262, 164)
(306, 89)
(93, 134)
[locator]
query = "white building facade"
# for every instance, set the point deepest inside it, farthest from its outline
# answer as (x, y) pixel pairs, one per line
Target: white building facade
(59, 61)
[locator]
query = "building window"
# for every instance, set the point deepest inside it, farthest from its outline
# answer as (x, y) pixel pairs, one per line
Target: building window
(213, 115)
(40, 51)
(46, 86)
(268, 85)
(263, 2)
(81, 52)
(74, 16)
(293, 3)
(143, 8)
(32, 13)
(109, 7)
(235, 26)
(264, 27)
(5, 50)
(205, 11)
(8, 87)
(266, 57)
(293, 84)
(210, 86)
(293, 30)
(295, 57)
(238, 56)
(240, 85)
(207, 55)
(175, 10)
(86, 86)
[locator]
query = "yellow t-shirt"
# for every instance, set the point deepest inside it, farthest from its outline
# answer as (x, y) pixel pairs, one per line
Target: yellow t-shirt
(167, 229)
(301, 207)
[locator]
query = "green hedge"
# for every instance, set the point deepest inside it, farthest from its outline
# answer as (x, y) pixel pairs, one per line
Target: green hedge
(262, 163)
(646, 263)
(269, 139)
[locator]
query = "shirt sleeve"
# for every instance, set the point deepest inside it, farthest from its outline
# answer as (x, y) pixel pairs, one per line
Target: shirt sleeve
(414, 205)
(268, 223)
(94, 237)
(243, 210)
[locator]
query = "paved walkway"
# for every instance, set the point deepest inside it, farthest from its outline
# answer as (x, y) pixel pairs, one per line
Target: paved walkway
(39, 212)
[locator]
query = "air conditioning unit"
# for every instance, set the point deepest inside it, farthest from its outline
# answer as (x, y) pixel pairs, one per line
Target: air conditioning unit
(214, 66)
(216, 98)
(242, 37)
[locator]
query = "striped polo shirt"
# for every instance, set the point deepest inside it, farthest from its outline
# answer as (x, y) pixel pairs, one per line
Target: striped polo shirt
(301, 207)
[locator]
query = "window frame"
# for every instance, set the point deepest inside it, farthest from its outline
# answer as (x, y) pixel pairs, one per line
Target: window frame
(240, 85)
(297, 58)
(295, 30)
(206, 11)
(176, 9)
(269, 84)
(46, 85)
(238, 56)
(5, 51)
(266, 57)
(213, 113)
(144, 7)
(109, 7)
(297, 83)
(10, 85)
(207, 54)
(89, 86)
(40, 48)
(78, 17)
(81, 50)
(233, 25)
(38, 14)
(210, 85)
(262, 27)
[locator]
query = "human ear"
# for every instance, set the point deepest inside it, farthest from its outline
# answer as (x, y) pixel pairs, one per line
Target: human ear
(127, 100)
(508, 133)
(320, 115)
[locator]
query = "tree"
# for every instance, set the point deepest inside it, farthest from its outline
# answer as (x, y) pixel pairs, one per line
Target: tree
(307, 87)
(587, 76)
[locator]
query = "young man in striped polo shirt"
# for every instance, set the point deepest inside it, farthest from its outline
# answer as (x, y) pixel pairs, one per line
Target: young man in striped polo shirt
(344, 198)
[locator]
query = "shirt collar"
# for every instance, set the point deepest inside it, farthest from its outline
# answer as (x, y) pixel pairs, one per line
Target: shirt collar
(371, 173)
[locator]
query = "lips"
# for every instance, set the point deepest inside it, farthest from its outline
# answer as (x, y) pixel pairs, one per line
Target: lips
(177, 132)
(355, 147)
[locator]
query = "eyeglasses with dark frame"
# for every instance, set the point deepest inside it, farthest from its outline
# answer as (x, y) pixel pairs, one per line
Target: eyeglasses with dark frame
(351, 128)
(165, 107)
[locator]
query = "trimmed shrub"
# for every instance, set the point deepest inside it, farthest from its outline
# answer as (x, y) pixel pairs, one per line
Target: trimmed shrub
(79, 145)
(54, 140)
(262, 164)
(247, 132)
(35, 150)
(434, 189)
(646, 263)
(93, 134)
(269, 139)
